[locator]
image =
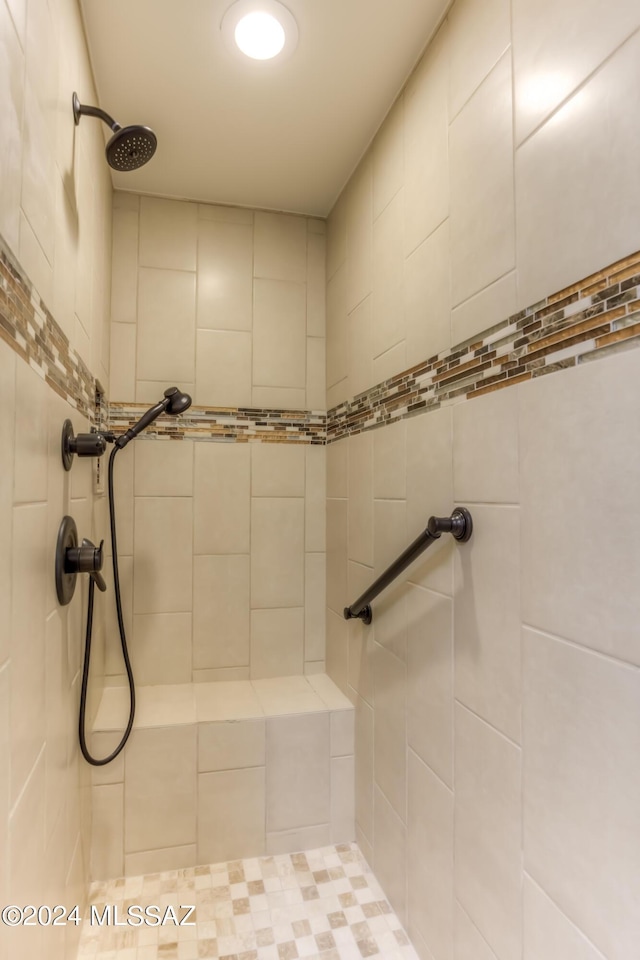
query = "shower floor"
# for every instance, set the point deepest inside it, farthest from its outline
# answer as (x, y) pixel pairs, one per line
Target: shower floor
(323, 904)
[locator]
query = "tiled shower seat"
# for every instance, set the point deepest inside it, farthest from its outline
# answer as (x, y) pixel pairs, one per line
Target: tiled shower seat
(221, 771)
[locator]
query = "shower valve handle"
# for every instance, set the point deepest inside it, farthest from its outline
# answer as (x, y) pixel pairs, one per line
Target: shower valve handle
(87, 558)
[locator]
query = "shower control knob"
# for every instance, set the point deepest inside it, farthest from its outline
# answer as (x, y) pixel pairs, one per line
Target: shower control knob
(72, 559)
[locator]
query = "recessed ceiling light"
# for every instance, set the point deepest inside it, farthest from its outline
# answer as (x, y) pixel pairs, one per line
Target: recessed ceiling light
(260, 29)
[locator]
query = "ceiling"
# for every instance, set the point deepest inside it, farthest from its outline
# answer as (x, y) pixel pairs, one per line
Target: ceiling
(276, 135)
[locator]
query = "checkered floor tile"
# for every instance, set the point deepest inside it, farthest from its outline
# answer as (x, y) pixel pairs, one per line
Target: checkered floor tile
(319, 905)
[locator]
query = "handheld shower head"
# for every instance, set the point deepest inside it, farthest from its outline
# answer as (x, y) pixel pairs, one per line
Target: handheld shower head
(129, 147)
(174, 402)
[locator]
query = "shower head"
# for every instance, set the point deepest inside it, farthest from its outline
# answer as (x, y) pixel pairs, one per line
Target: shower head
(174, 402)
(129, 147)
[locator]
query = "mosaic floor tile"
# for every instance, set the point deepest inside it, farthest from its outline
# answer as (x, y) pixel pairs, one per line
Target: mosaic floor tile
(324, 904)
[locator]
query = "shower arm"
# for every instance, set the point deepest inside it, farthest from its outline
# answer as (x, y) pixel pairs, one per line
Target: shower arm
(84, 110)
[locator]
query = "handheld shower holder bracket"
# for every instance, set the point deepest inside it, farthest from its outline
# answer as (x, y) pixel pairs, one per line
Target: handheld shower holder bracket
(91, 444)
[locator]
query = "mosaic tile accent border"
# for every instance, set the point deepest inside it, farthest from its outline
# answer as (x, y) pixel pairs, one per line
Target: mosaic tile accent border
(29, 329)
(583, 322)
(324, 904)
(230, 424)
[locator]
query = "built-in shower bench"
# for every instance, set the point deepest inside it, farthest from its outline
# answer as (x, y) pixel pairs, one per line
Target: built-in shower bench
(220, 771)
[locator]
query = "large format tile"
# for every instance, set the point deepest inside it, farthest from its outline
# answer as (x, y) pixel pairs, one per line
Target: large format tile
(222, 498)
(485, 449)
(7, 434)
(223, 368)
(548, 934)
(390, 728)
(163, 555)
(160, 811)
(166, 325)
(390, 852)
(557, 46)
(487, 618)
(360, 506)
(124, 266)
(427, 297)
(228, 700)
(11, 128)
(225, 275)
(277, 642)
(488, 832)
(364, 768)
(430, 680)
(480, 33)
(316, 284)
(277, 552)
(163, 469)
(168, 233)
(279, 333)
(430, 858)
(388, 158)
(387, 267)
(231, 814)
(337, 555)
(482, 191)
(298, 772)
(577, 474)
(231, 745)
(30, 468)
(359, 201)
(162, 648)
(280, 247)
(581, 792)
(557, 244)
(469, 943)
(221, 611)
(277, 470)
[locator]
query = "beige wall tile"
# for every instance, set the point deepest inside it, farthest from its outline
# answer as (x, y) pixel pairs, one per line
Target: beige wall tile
(337, 467)
(306, 838)
(163, 468)
(11, 124)
(231, 745)
(7, 440)
(163, 555)
(482, 194)
(277, 552)
(150, 391)
(315, 495)
(279, 333)
(277, 642)
(427, 297)
(342, 733)
(487, 617)
(114, 664)
(316, 283)
(280, 247)
(283, 696)
(162, 648)
(390, 608)
(160, 811)
(492, 305)
(551, 186)
(342, 800)
(337, 236)
(546, 72)
(214, 211)
(488, 830)
(226, 700)
(166, 325)
(124, 266)
(388, 274)
(360, 507)
(225, 275)
(426, 154)
(360, 347)
(57, 710)
(231, 805)
(388, 158)
(480, 34)
(298, 772)
(316, 373)
(279, 398)
(223, 368)
(337, 653)
(38, 169)
(30, 473)
(222, 491)
(337, 357)
(30, 568)
(389, 462)
(574, 465)
(221, 611)
(168, 233)
(430, 858)
(430, 680)
(485, 449)
(26, 881)
(122, 375)
(390, 853)
(364, 768)
(390, 728)
(315, 600)
(5, 767)
(389, 364)
(580, 728)
(221, 673)
(156, 861)
(359, 201)
(107, 833)
(548, 932)
(469, 943)
(337, 555)
(360, 637)
(329, 692)
(277, 470)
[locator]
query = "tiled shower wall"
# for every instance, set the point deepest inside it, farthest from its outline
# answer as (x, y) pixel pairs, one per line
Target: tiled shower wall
(55, 226)
(222, 542)
(497, 689)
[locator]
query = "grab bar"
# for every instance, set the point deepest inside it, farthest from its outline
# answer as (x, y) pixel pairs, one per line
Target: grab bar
(459, 525)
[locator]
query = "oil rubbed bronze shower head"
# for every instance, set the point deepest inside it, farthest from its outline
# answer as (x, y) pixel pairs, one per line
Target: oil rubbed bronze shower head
(129, 147)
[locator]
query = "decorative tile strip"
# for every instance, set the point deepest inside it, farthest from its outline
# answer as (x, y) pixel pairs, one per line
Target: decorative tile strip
(230, 424)
(583, 322)
(29, 329)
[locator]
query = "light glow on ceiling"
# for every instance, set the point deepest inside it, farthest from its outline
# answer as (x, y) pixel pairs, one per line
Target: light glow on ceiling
(259, 35)
(262, 30)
